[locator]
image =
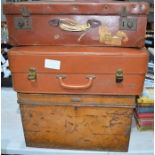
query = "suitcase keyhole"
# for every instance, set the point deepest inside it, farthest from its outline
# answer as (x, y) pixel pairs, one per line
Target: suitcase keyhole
(21, 24)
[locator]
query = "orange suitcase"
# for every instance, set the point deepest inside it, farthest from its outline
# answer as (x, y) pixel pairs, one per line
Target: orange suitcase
(78, 70)
(89, 122)
(77, 22)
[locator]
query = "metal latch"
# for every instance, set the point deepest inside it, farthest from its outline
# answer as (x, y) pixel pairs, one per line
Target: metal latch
(119, 75)
(76, 99)
(127, 23)
(32, 74)
(25, 12)
(24, 21)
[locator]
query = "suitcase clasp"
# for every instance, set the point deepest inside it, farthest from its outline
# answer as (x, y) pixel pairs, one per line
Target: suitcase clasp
(32, 74)
(24, 21)
(119, 75)
(127, 23)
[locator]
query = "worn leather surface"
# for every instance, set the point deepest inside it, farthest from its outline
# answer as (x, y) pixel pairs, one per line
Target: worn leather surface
(109, 14)
(77, 7)
(77, 125)
(76, 64)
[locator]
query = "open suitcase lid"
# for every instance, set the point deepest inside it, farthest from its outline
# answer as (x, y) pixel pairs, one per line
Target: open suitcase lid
(97, 7)
(79, 60)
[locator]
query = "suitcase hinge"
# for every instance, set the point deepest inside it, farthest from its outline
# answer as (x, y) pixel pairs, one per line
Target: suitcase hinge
(126, 23)
(119, 75)
(32, 74)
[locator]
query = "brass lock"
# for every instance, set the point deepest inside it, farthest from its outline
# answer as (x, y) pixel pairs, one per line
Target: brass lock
(32, 74)
(128, 24)
(119, 75)
(23, 22)
(125, 22)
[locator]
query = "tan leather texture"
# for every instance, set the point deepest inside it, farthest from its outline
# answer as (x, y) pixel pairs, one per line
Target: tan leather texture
(40, 23)
(91, 70)
(78, 125)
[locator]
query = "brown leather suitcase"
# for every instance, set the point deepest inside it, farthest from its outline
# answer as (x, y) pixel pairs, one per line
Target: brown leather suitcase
(78, 70)
(93, 23)
(89, 122)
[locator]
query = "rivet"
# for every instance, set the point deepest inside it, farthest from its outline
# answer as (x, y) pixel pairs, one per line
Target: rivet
(134, 6)
(141, 7)
(75, 8)
(56, 36)
(105, 7)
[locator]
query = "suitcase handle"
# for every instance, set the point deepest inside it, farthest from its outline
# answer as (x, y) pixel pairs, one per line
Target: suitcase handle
(68, 86)
(72, 26)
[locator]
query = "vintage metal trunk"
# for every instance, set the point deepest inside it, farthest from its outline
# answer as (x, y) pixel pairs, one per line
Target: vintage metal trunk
(90, 122)
(78, 70)
(77, 22)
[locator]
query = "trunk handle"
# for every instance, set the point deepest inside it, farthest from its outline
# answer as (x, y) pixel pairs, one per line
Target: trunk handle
(75, 87)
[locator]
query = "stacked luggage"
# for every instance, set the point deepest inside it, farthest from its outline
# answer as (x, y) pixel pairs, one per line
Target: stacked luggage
(76, 85)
